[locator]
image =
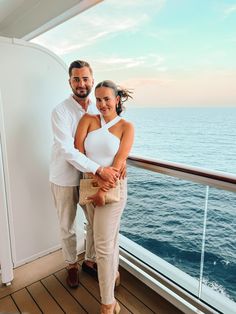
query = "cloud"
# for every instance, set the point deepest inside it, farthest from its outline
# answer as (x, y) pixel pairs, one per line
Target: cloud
(101, 22)
(89, 28)
(115, 63)
(231, 39)
(138, 82)
(167, 33)
(154, 5)
(230, 10)
(122, 62)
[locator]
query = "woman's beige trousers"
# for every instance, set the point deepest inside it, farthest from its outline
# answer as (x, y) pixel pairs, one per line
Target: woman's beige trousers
(105, 221)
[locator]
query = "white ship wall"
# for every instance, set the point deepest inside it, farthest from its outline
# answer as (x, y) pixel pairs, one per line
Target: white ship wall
(32, 82)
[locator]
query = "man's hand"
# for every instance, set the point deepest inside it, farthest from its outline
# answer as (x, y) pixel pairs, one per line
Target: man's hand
(109, 174)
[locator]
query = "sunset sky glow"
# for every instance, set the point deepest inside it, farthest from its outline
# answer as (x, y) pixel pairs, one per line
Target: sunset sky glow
(171, 52)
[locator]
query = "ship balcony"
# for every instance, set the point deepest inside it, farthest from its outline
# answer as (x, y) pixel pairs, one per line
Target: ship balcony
(154, 279)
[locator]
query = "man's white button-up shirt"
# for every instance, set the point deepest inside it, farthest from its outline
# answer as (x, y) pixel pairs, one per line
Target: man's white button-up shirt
(66, 161)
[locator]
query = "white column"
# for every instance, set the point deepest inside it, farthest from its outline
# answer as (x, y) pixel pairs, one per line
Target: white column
(5, 245)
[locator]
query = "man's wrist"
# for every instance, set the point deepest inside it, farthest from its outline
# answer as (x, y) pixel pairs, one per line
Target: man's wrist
(100, 170)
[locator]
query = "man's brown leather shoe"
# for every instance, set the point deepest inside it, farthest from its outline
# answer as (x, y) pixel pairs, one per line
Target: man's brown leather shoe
(72, 277)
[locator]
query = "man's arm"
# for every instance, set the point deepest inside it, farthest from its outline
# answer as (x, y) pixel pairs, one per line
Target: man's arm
(65, 142)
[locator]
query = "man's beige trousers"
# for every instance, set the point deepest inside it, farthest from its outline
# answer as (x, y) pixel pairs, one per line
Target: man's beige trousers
(66, 200)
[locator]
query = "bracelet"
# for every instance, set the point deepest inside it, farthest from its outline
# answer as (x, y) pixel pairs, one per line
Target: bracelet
(100, 172)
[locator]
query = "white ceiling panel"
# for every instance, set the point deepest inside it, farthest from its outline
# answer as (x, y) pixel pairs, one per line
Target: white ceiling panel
(29, 18)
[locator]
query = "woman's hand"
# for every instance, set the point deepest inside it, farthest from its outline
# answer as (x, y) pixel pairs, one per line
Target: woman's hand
(104, 185)
(98, 199)
(109, 174)
(123, 171)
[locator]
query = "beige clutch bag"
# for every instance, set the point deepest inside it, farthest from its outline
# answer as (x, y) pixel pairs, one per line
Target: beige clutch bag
(89, 187)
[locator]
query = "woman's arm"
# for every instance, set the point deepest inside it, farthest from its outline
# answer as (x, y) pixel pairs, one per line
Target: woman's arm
(81, 133)
(126, 143)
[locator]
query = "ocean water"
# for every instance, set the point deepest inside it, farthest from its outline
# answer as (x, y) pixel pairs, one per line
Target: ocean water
(165, 214)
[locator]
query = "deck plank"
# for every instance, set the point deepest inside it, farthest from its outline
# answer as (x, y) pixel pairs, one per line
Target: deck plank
(25, 302)
(131, 302)
(93, 287)
(29, 273)
(44, 300)
(7, 305)
(62, 296)
(154, 301)
(82, 295)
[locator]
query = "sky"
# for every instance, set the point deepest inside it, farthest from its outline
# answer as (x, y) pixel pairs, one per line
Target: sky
(172, 53)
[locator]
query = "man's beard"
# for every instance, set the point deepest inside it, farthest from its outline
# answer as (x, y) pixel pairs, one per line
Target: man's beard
(84, 94)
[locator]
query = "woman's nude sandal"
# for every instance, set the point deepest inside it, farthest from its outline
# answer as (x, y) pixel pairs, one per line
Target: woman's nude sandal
(117, 308)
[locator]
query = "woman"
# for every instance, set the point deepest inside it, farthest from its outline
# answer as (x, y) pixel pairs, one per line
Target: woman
(107, 139)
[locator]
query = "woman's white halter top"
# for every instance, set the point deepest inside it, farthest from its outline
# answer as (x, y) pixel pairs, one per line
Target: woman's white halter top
(101, 145)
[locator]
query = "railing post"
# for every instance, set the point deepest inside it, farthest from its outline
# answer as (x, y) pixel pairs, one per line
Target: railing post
(203, 243)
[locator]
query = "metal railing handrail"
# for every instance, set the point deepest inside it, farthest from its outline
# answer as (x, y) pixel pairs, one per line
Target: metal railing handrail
(218, 179)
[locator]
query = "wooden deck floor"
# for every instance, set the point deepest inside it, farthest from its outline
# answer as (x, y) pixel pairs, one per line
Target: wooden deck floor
(40, 287)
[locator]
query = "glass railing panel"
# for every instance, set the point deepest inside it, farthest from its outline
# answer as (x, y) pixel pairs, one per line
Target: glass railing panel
(165, 216)
(219, 273)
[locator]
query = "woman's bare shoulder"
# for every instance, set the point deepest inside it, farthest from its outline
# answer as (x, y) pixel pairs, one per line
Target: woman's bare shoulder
(127, 125)
(89, 117)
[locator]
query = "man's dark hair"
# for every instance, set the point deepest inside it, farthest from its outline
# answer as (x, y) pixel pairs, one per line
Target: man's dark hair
(78, 64)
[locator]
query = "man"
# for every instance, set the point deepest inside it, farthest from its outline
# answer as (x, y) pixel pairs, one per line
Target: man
(66, 162)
